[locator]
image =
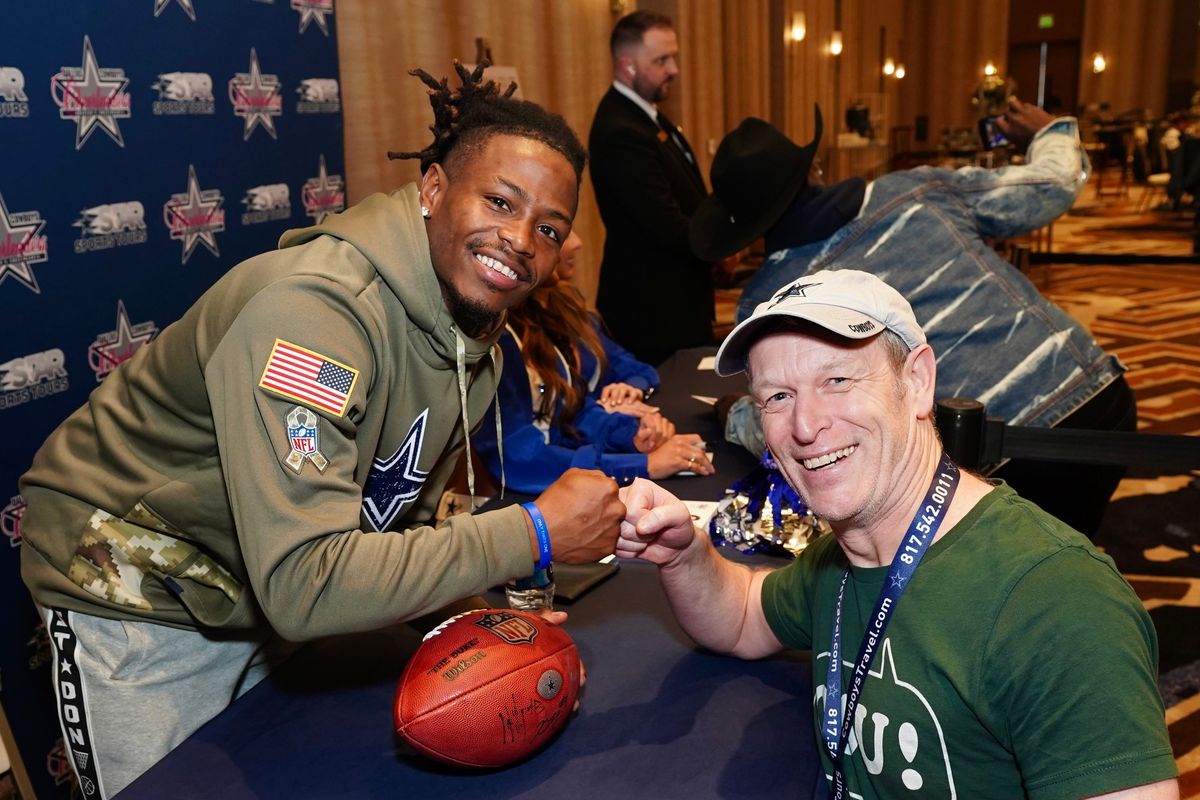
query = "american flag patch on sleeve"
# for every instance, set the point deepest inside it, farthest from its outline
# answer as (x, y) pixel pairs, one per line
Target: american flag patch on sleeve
(309, 377)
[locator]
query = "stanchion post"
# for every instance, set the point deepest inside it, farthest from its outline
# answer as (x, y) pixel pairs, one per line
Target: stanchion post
(961, 424)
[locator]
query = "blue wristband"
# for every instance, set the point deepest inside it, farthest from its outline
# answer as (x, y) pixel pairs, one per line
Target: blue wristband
(543, 534)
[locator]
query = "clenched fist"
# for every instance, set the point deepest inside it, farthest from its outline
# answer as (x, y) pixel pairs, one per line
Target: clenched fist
(583, 513)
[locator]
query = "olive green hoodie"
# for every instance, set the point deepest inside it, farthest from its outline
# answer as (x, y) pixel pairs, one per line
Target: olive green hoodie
(196, 489)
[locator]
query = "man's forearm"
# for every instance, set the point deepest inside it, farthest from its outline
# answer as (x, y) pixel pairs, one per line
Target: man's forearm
(1057, 153)
(717, 602)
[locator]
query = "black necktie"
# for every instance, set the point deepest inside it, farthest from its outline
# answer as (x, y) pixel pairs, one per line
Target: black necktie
(676, 137)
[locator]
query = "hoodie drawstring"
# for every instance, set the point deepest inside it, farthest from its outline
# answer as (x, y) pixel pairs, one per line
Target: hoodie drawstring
(499, 430)
(460, 352)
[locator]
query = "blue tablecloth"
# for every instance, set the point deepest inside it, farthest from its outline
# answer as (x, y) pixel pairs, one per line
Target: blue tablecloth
(660, 718)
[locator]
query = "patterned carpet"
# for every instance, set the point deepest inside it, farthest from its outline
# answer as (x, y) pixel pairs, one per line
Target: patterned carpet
(1145, 309)
(1149, 315)
(1134, 223)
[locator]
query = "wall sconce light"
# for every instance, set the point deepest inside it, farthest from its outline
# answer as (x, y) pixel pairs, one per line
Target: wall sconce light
(1098, 63)
(989, 68)
(835, 43)
(799, 29)
(900, 71)
(889, 66)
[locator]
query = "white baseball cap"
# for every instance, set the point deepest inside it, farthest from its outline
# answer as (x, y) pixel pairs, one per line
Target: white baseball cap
(848, 302)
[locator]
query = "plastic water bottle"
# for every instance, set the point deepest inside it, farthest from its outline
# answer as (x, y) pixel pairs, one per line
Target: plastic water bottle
(533, 593)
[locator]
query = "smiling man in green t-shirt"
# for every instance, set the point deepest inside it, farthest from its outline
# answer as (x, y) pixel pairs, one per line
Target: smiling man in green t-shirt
(981, 648)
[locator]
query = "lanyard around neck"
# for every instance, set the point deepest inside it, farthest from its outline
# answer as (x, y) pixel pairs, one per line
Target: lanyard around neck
(836, 725)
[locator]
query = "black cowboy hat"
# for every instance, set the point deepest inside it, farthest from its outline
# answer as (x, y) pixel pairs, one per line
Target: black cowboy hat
(756, 173)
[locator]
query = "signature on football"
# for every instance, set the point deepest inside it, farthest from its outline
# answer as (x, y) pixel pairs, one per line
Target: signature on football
(528, 722)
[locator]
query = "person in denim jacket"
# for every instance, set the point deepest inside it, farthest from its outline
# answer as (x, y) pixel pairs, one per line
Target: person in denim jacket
(999, 341)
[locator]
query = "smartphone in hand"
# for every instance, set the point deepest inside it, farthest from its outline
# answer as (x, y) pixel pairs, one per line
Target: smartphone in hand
(990, 135)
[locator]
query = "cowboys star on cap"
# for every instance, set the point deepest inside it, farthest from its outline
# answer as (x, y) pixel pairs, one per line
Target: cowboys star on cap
(795, 290)
(395, 481)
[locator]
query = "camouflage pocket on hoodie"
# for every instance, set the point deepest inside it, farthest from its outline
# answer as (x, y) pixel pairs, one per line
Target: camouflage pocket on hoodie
(115, 556)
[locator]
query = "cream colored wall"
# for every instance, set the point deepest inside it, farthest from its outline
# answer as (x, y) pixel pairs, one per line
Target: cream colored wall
(950, 43)
(728, 72)
(746, 50)
(1136, 43)
(727, 49)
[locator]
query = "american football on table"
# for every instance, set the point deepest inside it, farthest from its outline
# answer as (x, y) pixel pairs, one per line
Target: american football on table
(488, 688)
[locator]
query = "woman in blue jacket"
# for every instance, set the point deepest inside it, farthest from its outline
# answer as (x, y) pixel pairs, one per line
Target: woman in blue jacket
(568, 398)
(625, 381)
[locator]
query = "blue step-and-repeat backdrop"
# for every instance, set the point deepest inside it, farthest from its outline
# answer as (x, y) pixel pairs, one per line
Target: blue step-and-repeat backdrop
(146, 146)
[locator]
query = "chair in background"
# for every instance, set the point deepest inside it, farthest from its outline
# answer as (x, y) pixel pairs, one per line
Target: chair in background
(1111, 155)
(1154, 183)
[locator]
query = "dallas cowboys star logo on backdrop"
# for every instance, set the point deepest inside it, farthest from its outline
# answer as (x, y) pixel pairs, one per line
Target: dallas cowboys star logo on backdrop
(395, 481)
(21, 245)
(323, 195)
(256, 98)
(186, 5)
(195, 216)
(313, 11)
(115, 347)
(92, 97)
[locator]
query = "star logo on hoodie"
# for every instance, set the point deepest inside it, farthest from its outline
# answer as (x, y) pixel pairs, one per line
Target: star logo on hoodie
(395, 481)
(795, 290)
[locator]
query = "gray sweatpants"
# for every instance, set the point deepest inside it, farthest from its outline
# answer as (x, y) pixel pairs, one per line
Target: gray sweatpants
(129, 691)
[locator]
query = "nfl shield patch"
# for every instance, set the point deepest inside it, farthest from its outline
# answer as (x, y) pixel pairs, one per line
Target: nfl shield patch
(303, 437)
(510, 627)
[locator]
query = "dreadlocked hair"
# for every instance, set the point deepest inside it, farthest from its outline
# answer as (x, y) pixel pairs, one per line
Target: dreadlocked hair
(466, 117)
(554, 320)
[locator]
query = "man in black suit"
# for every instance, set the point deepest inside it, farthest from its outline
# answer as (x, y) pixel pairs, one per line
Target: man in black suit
(655, 294)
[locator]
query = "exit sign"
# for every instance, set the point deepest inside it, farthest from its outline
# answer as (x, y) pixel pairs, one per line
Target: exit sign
(1045, 20)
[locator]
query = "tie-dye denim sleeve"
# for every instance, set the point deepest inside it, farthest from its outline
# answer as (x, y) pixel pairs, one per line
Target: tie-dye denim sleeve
(1017, 199)
(744, 427)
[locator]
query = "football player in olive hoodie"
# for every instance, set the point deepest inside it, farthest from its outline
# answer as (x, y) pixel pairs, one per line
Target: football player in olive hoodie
(267, 468)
